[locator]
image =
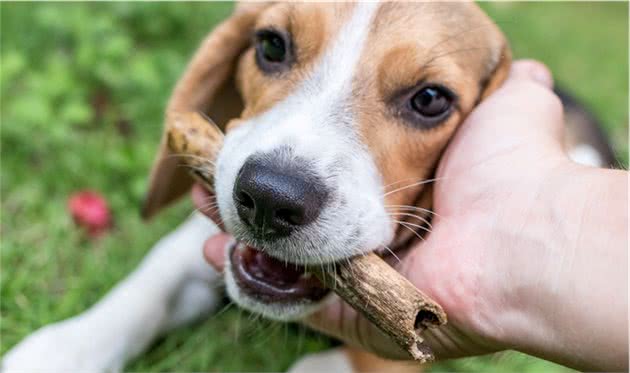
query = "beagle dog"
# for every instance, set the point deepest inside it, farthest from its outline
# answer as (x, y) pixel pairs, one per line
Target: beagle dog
(341, 103)
(335, 117)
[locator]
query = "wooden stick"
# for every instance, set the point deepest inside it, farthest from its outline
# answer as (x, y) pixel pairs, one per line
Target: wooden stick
(367, 283)
(196, 140)
(387, 299)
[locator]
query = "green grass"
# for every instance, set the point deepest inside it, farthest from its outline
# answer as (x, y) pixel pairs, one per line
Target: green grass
(83, 88)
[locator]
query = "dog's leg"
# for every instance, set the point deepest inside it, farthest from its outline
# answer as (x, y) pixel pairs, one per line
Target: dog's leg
(172, 285)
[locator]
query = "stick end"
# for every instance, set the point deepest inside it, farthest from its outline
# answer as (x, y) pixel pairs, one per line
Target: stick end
(429, 318)
(421, 352)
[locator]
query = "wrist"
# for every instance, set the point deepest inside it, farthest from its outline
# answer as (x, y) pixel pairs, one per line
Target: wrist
(526, 239)
(540, 246)
(571, 302)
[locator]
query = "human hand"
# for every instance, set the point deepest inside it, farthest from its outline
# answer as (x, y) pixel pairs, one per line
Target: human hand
(471, 262)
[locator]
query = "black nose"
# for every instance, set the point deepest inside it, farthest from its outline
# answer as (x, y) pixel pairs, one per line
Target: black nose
(274, 196)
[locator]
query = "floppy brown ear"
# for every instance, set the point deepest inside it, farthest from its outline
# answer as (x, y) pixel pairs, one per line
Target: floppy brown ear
(498, 72)
(207, 86)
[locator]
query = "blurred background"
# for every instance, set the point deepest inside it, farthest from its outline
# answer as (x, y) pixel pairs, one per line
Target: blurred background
(83, 89)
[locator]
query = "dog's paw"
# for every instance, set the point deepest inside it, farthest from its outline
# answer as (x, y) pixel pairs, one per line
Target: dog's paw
(68, 346)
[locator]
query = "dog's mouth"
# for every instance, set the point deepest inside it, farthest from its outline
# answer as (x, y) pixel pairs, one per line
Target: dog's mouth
(271, 280)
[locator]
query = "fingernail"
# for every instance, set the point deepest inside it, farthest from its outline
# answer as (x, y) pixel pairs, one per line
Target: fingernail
(541, 76)
(533, 70)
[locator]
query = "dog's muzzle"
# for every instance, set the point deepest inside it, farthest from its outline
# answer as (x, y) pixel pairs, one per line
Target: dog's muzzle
(275, 194)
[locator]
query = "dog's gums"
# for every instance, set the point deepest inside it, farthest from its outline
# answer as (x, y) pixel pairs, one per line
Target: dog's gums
(270, 280)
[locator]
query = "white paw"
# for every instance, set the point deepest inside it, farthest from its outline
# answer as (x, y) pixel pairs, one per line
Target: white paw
(69, 346)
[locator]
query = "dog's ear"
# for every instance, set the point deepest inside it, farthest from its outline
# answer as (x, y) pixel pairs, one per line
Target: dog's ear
(206, 86)
(498, 71)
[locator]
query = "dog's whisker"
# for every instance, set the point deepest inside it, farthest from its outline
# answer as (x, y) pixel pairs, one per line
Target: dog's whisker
(392, 252)
(404, 225)
(321, 268)
(410, 208)
(208, 199)
(204, 171)
(208, 208)
(210, 203)
(413, 216)
(334, 272)
(416, 226)
(398, 182)
(411, 186)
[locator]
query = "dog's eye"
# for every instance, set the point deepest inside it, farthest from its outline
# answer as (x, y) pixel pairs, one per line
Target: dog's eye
(273, 50)
(424, 105)
(431, 102)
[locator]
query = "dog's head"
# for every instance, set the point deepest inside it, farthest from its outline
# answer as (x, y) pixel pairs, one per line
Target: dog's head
(336, 115)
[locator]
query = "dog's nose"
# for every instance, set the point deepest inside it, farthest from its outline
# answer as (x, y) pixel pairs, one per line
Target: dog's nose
(275, 198)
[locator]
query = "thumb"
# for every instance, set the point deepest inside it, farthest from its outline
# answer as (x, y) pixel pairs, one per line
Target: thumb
(524, 108)
(531, 70)
(214, 250)
(339, 320)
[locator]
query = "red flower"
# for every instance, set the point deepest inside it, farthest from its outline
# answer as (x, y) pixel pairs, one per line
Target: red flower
(90, 211)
